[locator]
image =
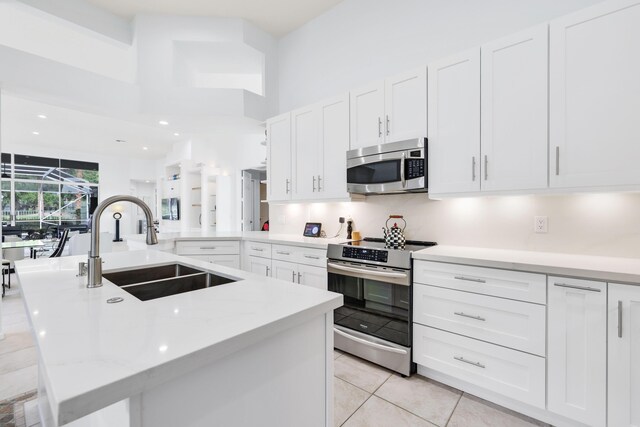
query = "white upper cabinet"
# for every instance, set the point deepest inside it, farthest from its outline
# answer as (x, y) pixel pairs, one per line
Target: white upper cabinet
(307, 151)
(623, 355)
(454, 124)
(406, 106)
(279, 157)
(391, 110)
(334, 142)
(514, 112)
(595, 97)
(577, 350)
(367, 113)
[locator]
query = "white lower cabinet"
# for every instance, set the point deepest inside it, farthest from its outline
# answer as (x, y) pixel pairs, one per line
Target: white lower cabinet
(300, 273)
(220, 252)
(577, 354)
(258, 265)
(232, 261)
(512, 373)
(624, 355)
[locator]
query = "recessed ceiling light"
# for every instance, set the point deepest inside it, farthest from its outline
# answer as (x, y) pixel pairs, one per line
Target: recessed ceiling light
(35, 132)
(42, 116)
(120, 141)
(145, 148)
(176, 134)
(163, 122)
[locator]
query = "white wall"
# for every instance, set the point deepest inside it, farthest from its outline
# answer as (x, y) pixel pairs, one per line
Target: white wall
(360, 41)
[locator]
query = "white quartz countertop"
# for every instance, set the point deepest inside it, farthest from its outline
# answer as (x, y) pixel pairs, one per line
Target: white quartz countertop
(95, 354)
(610, 269)
(255, 236)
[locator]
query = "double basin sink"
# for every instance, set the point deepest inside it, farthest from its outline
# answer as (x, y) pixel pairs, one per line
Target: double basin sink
(149, 283)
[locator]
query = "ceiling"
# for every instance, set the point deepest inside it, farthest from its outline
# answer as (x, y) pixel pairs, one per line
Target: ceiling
(277, 17)
(75, 130)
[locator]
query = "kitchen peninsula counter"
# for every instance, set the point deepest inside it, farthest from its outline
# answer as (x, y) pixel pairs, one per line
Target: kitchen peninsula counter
(219, 354)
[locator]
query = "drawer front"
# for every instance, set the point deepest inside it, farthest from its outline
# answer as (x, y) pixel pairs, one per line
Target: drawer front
(258, 249)
(232, 261)
(311, 256)
(518, 285)
(517, 375)
(514, 324)
(284, 253)
(208, 247)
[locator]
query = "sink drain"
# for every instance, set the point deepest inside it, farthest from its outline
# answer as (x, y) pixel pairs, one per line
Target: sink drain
(115, 300)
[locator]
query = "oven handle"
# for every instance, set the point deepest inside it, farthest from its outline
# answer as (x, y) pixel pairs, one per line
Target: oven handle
(367, 271)
(369, 343)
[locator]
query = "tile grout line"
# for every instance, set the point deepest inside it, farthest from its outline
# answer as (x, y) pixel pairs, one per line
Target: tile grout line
(406, 410)
(454, 408)
(357, 409)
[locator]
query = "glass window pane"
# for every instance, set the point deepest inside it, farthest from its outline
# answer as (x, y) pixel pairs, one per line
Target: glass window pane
(5, 158)
(77, 171)
(6, 206)
(37, 202)
(75, 200)
(40, 168)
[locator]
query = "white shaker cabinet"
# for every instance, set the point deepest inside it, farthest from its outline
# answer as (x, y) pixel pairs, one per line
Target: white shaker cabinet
(334, 140)
(624, 354)
(392, 110)
(306, 152)
(514, 112)
(279, 157)
(367, 112)
(406, 106)
(258, 265)
(595, 96)
(313, 276)
(284, 270)
(577, 350)
(454, 124)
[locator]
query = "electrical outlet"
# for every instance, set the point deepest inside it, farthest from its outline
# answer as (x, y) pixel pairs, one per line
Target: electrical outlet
(540, 224)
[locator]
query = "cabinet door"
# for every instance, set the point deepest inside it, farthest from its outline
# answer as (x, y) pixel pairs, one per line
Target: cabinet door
(313, 276)
(514, 111)
(624, 354)
(406, 106)
(454, 124)
(577, 353)
(283, 270)
(259, 265)
(279, 157)
(334, 140)
(595, 96)
(306, 152)
(367, 111)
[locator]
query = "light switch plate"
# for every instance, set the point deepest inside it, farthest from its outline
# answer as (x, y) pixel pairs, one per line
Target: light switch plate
(540, 224)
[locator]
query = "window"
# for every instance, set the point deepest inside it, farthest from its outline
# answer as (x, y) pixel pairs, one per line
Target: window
(39, 192)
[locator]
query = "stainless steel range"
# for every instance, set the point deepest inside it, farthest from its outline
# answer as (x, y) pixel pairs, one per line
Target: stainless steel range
(375, 321)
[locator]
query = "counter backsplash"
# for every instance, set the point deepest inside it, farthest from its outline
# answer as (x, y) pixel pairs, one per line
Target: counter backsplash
(594, 224)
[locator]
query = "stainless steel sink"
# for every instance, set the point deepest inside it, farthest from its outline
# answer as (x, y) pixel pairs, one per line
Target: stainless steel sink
(162, 281)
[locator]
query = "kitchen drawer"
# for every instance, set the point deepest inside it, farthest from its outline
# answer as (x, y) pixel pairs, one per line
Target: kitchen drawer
(514, 374)
(232, 261)
(516, 285)
(514, 324)
(257, 249)
(208, 247)
(300, 255)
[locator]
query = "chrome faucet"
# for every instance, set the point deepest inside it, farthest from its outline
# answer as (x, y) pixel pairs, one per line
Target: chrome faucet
(94, 264)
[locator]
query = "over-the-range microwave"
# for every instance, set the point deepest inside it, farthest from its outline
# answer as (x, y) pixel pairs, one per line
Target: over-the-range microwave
(396, 167)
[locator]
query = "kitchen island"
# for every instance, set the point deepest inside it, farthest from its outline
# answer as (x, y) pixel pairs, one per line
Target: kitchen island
(257, 351)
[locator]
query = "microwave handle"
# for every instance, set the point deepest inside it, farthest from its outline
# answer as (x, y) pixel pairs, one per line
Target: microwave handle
(402, 177)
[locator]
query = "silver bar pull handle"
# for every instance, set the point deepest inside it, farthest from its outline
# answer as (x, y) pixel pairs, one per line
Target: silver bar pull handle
(293, 276)
(312, 257)
(319, 188)
(470, 279)
(486, 170)
(582, 288)
(299, 277)
(473, 168)
(287, 185)
(208, 247)
(268, 269)
(557, 160)
(462, 359)
(387, 124)
(619, 319)
(257, 249)
(460, 313)
(379, 127)
(314, 183)
(282, 253)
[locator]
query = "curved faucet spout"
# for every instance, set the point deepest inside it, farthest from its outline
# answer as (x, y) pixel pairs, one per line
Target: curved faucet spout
(94, 265)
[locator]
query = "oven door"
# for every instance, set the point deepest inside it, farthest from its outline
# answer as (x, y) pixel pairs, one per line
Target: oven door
(386, 173)
(377, 300)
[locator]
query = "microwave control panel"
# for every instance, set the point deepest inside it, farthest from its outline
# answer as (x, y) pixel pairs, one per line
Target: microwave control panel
(364, 254)
(414, 168)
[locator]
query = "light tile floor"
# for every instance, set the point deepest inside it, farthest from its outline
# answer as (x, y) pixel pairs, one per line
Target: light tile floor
(365, 394)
